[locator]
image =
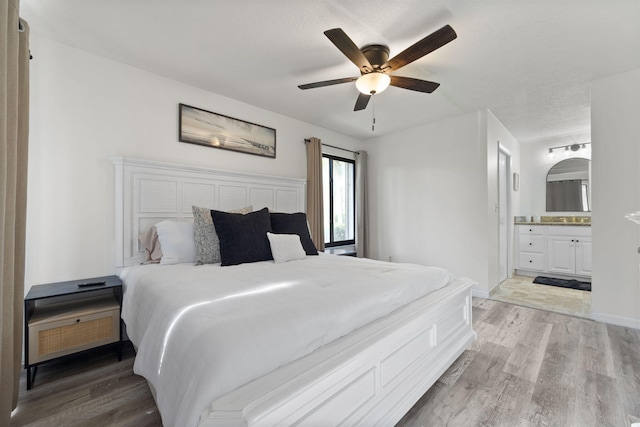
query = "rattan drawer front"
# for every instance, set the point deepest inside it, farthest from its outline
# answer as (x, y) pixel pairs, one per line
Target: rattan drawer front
(62, 337)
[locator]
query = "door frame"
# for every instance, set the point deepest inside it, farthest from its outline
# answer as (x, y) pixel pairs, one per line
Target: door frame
(504, 210)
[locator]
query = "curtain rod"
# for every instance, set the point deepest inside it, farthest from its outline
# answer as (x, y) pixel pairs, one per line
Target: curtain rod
(306, 141)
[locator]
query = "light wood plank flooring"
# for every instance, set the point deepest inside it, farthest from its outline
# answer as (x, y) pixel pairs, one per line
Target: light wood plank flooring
(527, 368)
(535, 368)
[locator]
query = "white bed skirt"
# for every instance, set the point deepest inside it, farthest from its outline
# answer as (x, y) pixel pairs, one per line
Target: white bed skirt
(372, 376)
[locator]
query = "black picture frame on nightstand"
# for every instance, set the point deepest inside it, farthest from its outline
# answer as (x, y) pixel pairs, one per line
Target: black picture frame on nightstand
(71, 317)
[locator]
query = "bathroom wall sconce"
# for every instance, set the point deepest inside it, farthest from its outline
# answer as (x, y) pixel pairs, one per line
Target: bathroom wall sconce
(566, 149)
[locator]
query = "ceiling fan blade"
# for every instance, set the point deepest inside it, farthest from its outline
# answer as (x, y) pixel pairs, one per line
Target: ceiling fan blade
(361, 102)
(328, 83)
(427, 45)
(349, 49)
(414, 84)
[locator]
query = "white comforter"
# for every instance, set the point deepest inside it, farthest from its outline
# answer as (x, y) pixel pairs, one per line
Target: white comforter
(203, 331)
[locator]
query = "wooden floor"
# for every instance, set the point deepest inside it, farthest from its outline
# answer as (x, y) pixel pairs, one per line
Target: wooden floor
(527, 368)
(536, 368)
(91, 389)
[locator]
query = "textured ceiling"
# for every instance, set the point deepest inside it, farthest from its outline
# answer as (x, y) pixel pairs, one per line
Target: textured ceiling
(529, 62)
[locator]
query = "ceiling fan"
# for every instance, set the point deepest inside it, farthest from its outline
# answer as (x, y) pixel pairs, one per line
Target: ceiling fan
(375, 66)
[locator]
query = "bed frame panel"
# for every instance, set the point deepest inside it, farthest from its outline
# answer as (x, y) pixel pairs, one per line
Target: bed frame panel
(148, 192)
(372, 376)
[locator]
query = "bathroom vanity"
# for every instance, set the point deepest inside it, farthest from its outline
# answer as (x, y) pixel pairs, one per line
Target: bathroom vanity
(556, 246)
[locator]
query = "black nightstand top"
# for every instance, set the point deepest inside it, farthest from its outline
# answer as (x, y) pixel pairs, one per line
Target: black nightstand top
(71, 287)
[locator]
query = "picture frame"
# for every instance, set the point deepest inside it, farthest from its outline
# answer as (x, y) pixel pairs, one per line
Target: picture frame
(202, 127)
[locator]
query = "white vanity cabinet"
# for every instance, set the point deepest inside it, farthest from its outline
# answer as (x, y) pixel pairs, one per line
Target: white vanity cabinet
(530, 247)
(569, 250)
(560, 250)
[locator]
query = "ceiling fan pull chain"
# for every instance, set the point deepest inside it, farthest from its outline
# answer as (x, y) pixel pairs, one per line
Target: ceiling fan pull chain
(373, 114)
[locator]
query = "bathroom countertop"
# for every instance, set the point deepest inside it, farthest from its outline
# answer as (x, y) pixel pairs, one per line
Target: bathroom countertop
(582, 221)
(579, 224)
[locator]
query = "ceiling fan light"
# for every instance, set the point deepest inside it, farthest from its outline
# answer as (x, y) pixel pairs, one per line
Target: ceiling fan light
(371, 83)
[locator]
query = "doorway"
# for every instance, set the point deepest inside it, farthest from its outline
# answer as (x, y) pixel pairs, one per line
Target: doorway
(513, 288)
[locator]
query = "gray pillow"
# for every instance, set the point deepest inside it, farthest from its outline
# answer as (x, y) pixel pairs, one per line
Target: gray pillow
(205, 236)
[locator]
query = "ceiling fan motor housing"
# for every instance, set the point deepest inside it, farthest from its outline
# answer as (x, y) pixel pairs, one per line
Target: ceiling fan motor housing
(377, 54)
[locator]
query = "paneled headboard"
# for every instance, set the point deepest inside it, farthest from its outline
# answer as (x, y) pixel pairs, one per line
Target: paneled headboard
(148, 192)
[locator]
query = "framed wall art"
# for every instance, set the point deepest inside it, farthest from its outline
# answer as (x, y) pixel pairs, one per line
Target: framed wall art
(202, 127)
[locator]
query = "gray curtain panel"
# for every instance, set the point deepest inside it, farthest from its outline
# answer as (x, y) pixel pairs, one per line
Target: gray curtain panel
(315, 211)
(14, 127)
(362, 216)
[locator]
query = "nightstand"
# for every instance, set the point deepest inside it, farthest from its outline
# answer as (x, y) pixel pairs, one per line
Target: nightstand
(69, 317)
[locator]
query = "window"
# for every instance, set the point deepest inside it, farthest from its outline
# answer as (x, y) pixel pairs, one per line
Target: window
(585, 196)
(338, 180)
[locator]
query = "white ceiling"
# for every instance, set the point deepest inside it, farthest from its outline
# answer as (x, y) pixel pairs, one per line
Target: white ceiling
(529, 62)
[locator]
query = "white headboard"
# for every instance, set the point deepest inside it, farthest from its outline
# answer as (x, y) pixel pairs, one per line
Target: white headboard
(148, 192)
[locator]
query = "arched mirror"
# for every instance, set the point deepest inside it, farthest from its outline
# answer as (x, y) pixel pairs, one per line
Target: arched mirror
(568, 186)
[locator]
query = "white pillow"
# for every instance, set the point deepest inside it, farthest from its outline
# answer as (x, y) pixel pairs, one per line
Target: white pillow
(176, 241)
(285, 247)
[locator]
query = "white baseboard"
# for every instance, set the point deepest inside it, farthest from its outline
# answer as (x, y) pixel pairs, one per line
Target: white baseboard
(480, 293)
(628, 322)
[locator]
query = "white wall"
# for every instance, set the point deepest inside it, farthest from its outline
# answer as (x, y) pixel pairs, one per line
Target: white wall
(85, 109)
(535, 164)
(429, 195)
(615, 127)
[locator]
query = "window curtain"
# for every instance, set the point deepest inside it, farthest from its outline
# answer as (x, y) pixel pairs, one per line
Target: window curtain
(14, 126)
(362, 217)
(315, 210)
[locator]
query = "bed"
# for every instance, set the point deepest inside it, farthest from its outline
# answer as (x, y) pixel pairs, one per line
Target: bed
(393, 329)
